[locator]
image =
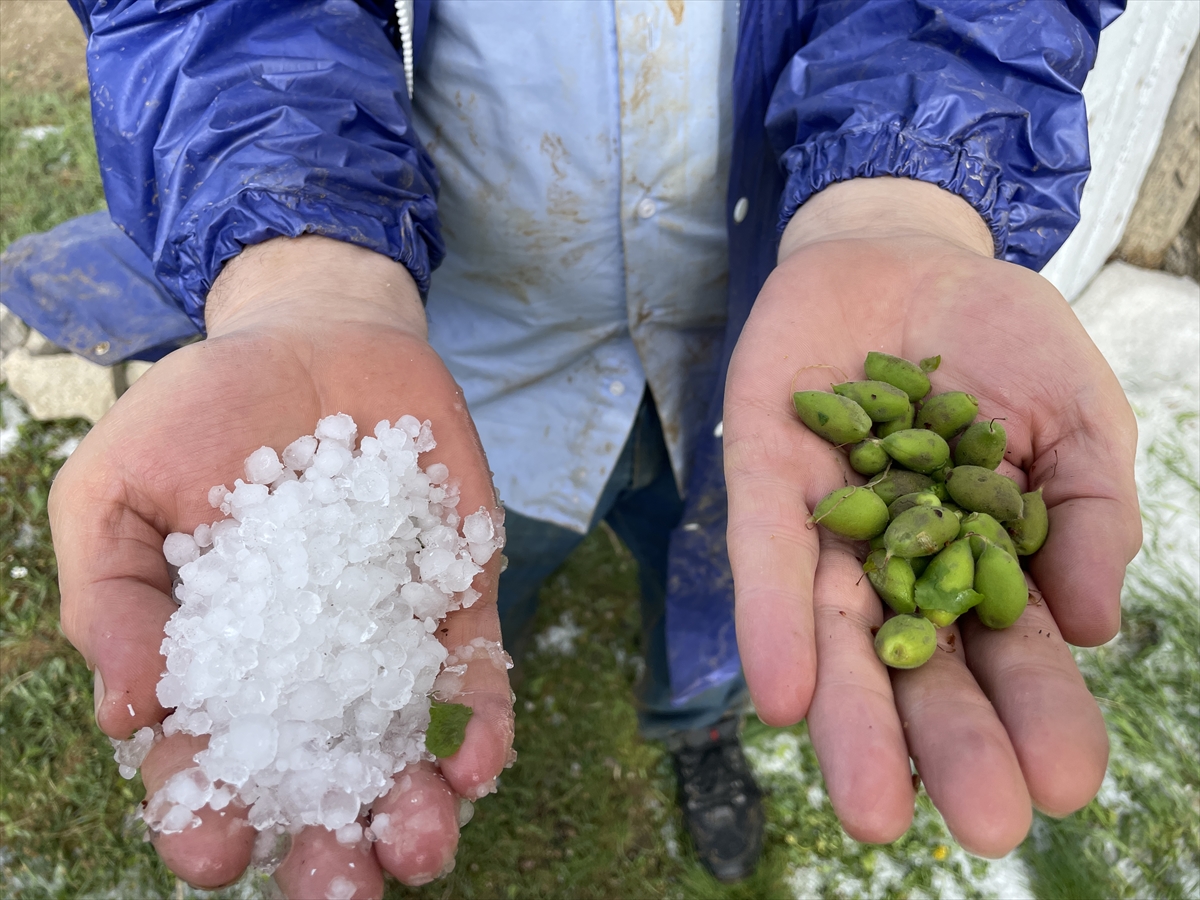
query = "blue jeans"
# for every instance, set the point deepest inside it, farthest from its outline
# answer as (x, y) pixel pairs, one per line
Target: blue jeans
(642, 504)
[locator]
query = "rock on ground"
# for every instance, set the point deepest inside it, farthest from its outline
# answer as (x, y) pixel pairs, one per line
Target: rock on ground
(59, 386)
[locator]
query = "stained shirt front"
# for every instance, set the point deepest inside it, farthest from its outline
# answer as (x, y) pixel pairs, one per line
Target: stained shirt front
(583, 150)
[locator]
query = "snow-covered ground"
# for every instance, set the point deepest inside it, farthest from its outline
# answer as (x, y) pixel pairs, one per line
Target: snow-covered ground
(1147, 325)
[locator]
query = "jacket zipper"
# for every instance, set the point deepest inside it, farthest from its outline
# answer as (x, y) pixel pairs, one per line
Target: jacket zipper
(404, 24)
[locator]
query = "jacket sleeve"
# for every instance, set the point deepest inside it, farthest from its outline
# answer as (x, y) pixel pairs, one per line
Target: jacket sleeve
(222, 123)
(981, 97)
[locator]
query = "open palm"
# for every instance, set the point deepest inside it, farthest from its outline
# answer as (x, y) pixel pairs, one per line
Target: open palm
(145, 471)
(997, 722)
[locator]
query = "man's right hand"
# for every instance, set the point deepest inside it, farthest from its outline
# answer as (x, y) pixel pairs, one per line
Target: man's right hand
(297, 330)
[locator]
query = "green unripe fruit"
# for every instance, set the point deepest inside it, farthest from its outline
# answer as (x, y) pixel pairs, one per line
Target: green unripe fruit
(920, 531)
(998, 577)
(834, 418)
(947, 414)
(908, 501)
(982, 490)
(897, 483)
(893, 579)
(898, 373)
(948, 582)
(883, 429)
(905, 642)
(916, 449)
(981, 445)
(919, 564)
(940, 475)
(876, 543)
(938, 489)
(881, 401)
(939, 617)
(852, 512)
(868, 457)
(1030, 530)
(983, 530)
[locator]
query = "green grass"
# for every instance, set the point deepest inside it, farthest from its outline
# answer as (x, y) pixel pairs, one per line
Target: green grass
(588, 809)
(44, 182)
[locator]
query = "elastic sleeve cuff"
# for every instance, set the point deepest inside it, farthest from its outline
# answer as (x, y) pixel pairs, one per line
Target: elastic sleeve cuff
(192, 258)
(888, 149)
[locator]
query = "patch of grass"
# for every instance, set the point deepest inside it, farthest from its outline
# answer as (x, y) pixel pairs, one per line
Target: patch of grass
(64, 813)
(50, 175)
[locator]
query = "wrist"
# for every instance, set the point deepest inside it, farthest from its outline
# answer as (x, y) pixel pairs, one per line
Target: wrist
(885, 208)
(313, 276)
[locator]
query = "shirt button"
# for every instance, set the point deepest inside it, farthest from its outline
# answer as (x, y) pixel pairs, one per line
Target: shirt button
(646, 208)
(616, 389)
(739, 210)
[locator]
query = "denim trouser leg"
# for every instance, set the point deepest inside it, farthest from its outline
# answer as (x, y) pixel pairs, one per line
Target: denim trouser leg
(642, 505)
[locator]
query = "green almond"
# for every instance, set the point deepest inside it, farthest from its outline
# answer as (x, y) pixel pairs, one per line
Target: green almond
(853, 512)
(882, 402)
(835, 418)
(899, 373)
(905, 642)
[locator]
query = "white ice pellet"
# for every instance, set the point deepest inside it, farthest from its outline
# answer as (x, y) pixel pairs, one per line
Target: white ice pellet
(177, 819)
(216, 495)
(203, 535)
(340, 888)
(130, 754)
(340, 429)
(263, 466)
(331, 459)
(190, 788)
(299, 453)
(305, 644)
(180, 549)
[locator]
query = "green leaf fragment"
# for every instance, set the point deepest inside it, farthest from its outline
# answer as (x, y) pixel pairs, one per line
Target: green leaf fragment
(447, 727)
(930, 363)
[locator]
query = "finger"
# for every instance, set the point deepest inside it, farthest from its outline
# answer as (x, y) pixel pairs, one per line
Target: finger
(1085, 463)
(1081, 567)
(770, 461)
(416, 826)
(962, 751)
(320, 866)
(115, 596)
(472, 636)
(1053, 721)
(216, 851)
(855, 730)
(420, 385)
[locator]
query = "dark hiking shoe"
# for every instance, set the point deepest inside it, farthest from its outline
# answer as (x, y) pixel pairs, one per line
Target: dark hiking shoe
(722, 805)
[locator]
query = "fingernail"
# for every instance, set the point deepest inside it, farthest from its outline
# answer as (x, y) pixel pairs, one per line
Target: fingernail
(466, 810)
(97, 693)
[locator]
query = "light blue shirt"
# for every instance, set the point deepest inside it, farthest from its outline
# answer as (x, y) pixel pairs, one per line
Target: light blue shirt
(584, 151)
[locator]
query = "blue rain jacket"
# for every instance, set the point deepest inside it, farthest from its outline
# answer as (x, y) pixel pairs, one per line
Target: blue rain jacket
(222, 123)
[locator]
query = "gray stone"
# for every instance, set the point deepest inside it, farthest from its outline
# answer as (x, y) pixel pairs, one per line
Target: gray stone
(37, 344)
(12, 330)
(125, 374)
(61, 386)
